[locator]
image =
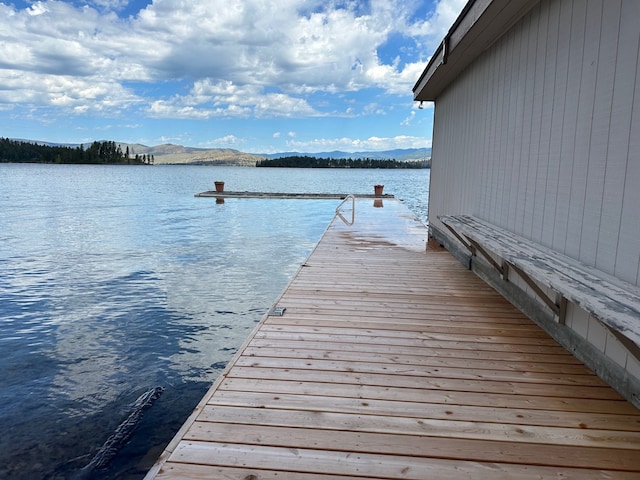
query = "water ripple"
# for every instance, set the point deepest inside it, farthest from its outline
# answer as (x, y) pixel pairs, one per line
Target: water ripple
(116, 279)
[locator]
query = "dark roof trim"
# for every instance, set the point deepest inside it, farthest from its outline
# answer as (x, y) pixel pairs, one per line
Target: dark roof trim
(480, 24)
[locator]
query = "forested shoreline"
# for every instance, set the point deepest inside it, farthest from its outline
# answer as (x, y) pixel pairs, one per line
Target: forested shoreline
(111, 153)
(314, 162)
(107, 152)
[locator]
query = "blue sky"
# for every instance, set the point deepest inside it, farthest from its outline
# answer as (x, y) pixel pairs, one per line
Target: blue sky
(253, 75)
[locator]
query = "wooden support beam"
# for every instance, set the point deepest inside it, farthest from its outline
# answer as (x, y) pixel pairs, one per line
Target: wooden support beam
(561, 301)
(488, 256)
(462, 240)
(631, 347)
(534, 286)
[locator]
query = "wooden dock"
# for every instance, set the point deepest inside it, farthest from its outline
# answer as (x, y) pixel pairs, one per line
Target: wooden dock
(287, 195)
(395, 362)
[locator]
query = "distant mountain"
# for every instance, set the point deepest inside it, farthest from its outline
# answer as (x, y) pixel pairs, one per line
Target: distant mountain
(178, 154)
(400, 154)
(166, 149)
(169, 153)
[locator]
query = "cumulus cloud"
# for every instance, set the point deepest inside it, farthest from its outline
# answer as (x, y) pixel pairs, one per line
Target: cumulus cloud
(436, 25)
(228, 140)
(240, 57)
(225, 99)
(351, 144)
(75, 94)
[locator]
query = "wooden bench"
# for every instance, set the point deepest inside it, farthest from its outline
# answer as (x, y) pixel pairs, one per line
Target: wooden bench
(614, 303)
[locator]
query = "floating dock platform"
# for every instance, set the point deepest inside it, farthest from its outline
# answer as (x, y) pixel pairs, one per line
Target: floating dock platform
(287, 195)
(386, 360)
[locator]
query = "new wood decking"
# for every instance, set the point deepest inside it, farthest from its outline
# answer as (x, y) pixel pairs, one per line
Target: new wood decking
(393, 362)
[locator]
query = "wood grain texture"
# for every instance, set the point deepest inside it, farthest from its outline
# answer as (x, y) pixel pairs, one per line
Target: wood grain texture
(362, 379)
(610, 300)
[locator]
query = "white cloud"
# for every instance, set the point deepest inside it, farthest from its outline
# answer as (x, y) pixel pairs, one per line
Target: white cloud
(75, 94)
(241, 57)
(109, 4)
(407, 121)
(227, 140)
(436, 25)
(36, 9)
(446, 13)
(355, 144)
(225, 99)
(374, 109)
(173, 109)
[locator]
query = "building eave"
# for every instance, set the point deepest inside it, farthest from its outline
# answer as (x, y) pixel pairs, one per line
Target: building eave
(480, 24)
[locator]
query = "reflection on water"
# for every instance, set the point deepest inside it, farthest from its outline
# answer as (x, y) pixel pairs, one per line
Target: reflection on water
(114, 280)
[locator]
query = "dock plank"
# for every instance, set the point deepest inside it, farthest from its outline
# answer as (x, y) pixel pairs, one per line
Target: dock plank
(429, 396)
(506, 358)
(395, 362)
(400, 444)
(478, 385)
(418, 409)
(453, 360)
(258, 458)
(366, 421)
(415, 370)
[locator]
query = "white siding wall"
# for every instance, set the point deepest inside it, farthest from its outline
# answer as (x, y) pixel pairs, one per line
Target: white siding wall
(542, 134)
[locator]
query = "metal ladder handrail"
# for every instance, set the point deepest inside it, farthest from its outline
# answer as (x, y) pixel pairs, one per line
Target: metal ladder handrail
(353, 209)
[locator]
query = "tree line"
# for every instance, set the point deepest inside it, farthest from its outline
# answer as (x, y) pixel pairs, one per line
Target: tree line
(106, 152)
(314, 162)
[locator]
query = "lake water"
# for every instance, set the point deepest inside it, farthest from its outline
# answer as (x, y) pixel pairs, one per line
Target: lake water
(116, 279)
